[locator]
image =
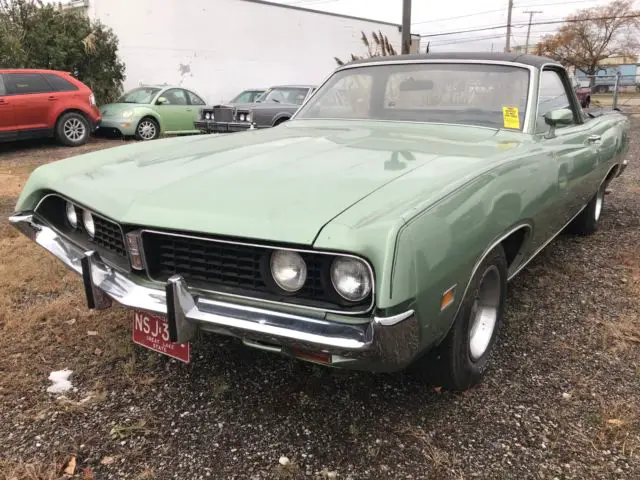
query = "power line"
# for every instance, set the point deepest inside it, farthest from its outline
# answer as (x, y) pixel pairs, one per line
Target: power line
(551, 22)
(499, 10)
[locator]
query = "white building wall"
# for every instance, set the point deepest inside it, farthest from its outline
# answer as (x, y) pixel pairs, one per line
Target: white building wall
(220, 47)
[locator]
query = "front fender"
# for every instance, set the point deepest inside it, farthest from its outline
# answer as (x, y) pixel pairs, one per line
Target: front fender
(141, 112)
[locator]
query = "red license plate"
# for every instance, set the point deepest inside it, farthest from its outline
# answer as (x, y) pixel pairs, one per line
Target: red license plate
(152, 331)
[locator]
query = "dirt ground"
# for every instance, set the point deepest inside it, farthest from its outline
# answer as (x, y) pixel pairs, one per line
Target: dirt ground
(562, 400)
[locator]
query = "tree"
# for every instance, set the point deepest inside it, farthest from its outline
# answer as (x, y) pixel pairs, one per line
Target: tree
(381, 47)
(592, 35)
(37, 35)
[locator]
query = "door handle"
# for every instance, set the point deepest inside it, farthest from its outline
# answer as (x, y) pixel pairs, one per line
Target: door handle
(189, 109)
(53, 98)
(594, 139)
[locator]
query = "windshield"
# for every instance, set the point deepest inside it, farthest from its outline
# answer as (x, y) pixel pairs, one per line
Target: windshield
(139, 95)
(248, 96)
(465, 93)
(292, 95)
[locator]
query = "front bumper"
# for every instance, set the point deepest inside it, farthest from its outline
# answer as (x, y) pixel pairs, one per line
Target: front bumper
(381, 344)
(211, 126)
(126, 126)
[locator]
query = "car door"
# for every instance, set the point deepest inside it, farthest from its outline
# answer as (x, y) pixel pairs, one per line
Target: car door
(7, 117)
(572, 150)
(195, 105)
(176, 113)
(32, 101)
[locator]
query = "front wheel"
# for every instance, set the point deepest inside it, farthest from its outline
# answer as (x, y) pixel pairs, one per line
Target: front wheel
(72, 129)
(147, 129)
(461, 360)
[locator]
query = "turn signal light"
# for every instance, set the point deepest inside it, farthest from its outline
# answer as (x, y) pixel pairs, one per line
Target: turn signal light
(316, 357)
(133, 245)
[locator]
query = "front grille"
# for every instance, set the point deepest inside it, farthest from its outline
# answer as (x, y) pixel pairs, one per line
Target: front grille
(236, 269)
(109, 236)
(223, 114)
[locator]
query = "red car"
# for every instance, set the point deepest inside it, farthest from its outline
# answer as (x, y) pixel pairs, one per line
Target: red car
(45, 103)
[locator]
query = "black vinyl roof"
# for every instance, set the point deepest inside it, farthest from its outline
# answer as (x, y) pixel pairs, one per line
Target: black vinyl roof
(500, 57)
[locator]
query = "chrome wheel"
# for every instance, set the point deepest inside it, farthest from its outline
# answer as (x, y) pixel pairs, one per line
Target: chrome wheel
(484, 313)
(599, 202)
(74, 129)
(147, 130)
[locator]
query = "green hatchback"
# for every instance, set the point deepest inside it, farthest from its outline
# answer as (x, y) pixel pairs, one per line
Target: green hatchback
(150, 111)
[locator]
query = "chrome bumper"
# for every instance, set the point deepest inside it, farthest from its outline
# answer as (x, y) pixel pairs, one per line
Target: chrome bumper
(382, 344)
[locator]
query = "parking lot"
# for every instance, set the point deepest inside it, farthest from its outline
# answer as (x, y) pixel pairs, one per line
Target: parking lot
(562, 399)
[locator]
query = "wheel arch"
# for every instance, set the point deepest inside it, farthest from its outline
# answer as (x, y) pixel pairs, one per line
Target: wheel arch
(283, 117)
(70, 110)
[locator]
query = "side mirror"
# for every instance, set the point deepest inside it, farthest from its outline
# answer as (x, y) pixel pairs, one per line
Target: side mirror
(162, 101)
(560, 116)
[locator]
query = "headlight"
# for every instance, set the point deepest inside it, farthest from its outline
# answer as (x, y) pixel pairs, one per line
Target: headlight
(89, 225)
(288, 270)
(351, 278)
(207, 116)
(127, 113)
(250, 117)
(72, 215)
(242, 117)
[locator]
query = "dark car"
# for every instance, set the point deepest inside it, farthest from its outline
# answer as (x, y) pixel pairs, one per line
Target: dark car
(275, 106)
(584, 96)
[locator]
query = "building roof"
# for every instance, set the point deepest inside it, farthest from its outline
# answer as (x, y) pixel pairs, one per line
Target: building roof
(479, 56)
(351, 17)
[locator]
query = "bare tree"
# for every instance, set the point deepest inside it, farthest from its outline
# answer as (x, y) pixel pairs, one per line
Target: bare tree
(592, 35)
(381, 47)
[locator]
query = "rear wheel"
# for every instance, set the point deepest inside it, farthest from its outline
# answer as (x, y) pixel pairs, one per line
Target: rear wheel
(72, 129)
(461, 360)
(587, 222)
(147, 129)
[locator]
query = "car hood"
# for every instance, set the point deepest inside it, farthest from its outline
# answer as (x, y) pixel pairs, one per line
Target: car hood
(280, 184)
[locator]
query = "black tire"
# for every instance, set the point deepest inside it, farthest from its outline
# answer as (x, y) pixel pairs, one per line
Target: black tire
(279, 121)
(455, 364)
(147, 129)
(72, 129)
(587, 222)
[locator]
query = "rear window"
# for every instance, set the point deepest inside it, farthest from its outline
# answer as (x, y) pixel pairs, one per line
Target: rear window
(25, 83)
(59, 83)
(2, 91)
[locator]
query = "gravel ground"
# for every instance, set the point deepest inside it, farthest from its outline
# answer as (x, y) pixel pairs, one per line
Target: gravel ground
(562, 400)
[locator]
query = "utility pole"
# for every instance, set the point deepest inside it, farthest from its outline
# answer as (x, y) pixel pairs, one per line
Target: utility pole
(406, 26)
(531, 14)
(507, 46)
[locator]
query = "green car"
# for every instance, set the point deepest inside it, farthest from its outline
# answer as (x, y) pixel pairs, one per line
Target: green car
(376, 229)
(150, 111)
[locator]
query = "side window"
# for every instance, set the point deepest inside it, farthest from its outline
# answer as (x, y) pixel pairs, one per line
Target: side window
(175, 96)
(2, 90)
(59, 84)
(553, 95)
(194, 99)
(25, 83)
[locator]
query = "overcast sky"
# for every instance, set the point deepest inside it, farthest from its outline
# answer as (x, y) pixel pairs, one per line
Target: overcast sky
(431, 17)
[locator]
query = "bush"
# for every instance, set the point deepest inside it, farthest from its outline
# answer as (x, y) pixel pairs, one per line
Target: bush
(35, 35)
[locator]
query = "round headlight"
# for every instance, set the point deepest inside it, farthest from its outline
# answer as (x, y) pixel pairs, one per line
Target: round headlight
(72, 215)
(89, 225)
(351, 278)
(207, 116)
(243, 117)
(127, 113)
(288, 270)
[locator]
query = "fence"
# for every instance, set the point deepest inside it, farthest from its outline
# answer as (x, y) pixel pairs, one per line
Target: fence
(610, 91)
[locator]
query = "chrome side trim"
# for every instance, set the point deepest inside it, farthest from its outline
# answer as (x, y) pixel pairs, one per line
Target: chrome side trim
(484, 255)
(527, 128)
(271, 247)
(542, 247)
(388, 321)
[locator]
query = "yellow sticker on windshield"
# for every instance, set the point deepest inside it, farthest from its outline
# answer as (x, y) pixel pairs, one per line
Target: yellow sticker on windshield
(511, 117)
